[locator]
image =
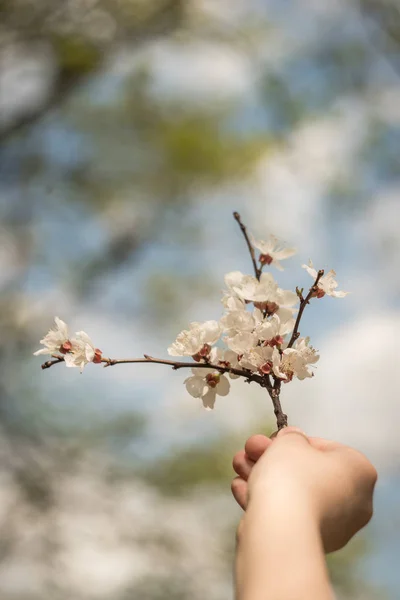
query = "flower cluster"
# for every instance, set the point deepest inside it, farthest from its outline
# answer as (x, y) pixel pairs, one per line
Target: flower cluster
(256, 338)
(77, 351)
(255, 331)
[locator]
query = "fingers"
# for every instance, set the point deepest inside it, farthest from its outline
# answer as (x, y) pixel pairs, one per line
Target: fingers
(256, 445)
(239, 491)
(242, 464)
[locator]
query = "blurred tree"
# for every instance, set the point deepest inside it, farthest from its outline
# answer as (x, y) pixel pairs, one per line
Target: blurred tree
(71, 38)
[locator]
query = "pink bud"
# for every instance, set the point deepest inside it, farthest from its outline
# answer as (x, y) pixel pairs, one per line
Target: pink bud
(318, 293)
(265, 259)
(97, 356)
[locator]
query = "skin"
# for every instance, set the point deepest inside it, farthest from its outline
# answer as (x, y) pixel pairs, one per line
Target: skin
(302, 497)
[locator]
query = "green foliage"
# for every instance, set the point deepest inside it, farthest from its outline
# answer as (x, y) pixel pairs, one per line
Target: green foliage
(207, 463)
(76, 55)
(197, 465)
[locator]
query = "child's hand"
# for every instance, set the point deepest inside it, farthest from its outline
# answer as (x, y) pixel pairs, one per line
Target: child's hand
(335, 480)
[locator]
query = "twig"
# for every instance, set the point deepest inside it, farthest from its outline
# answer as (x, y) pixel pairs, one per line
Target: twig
(262, 380)
(110, 362)
(303, 304)
(50, 363)
(257, 270)
(281, 417)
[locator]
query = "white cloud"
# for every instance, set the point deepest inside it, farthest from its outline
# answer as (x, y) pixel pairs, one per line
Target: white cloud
(381, 227)
(354, 396)
(293, 182)
(199, 71)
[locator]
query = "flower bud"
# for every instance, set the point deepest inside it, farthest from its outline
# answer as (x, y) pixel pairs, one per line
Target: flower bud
(265, 259)
(97, 356)
(213, 379)
(318, 293)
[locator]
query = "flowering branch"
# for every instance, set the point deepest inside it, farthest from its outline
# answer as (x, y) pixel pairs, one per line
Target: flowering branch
(250, 377)
(248, 341)
(257, 270)
(303, 303)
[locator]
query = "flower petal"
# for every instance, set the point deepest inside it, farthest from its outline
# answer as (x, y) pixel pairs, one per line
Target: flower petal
(209, 399)
(223, 386)
(61, 326)
(42, 351)
(69, 360)
(211, 331)
(339, 294)
(196, 386)
(287, 297)
(310, 269)
(233, 278)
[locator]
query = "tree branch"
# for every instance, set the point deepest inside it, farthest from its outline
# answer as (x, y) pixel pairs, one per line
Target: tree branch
(257, 270)
(175, 365)
(281, 417)
(50, 363)
(262, 380)
(303, 304)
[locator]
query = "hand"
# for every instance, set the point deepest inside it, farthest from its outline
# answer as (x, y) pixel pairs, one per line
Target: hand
(335, 480)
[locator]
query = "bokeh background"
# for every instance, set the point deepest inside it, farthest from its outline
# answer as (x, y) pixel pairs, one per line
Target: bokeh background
(130, 130)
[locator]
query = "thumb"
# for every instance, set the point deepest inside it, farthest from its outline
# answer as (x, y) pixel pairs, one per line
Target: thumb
(293, 433)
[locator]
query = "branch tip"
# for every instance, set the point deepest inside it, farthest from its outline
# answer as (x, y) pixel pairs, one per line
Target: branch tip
(257, 270)
(303, 303)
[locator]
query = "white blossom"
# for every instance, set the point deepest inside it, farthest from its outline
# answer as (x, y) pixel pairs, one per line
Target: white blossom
(272, 251)
(307, 356)
(77, 351)
(327, 284)
(237, 321)
(56, 340)
(242, 342)
(284, 364)
(207, 384)
(82, 352)
(225, 358)
(258, 359)
(193, 340)
(249, 288)
(273, 328)
(233, 302)
(294, 361)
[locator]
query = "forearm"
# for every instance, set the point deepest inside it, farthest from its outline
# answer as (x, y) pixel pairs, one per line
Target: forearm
(280, 554)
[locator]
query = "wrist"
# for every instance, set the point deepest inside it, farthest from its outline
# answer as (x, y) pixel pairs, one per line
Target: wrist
(280, 534)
